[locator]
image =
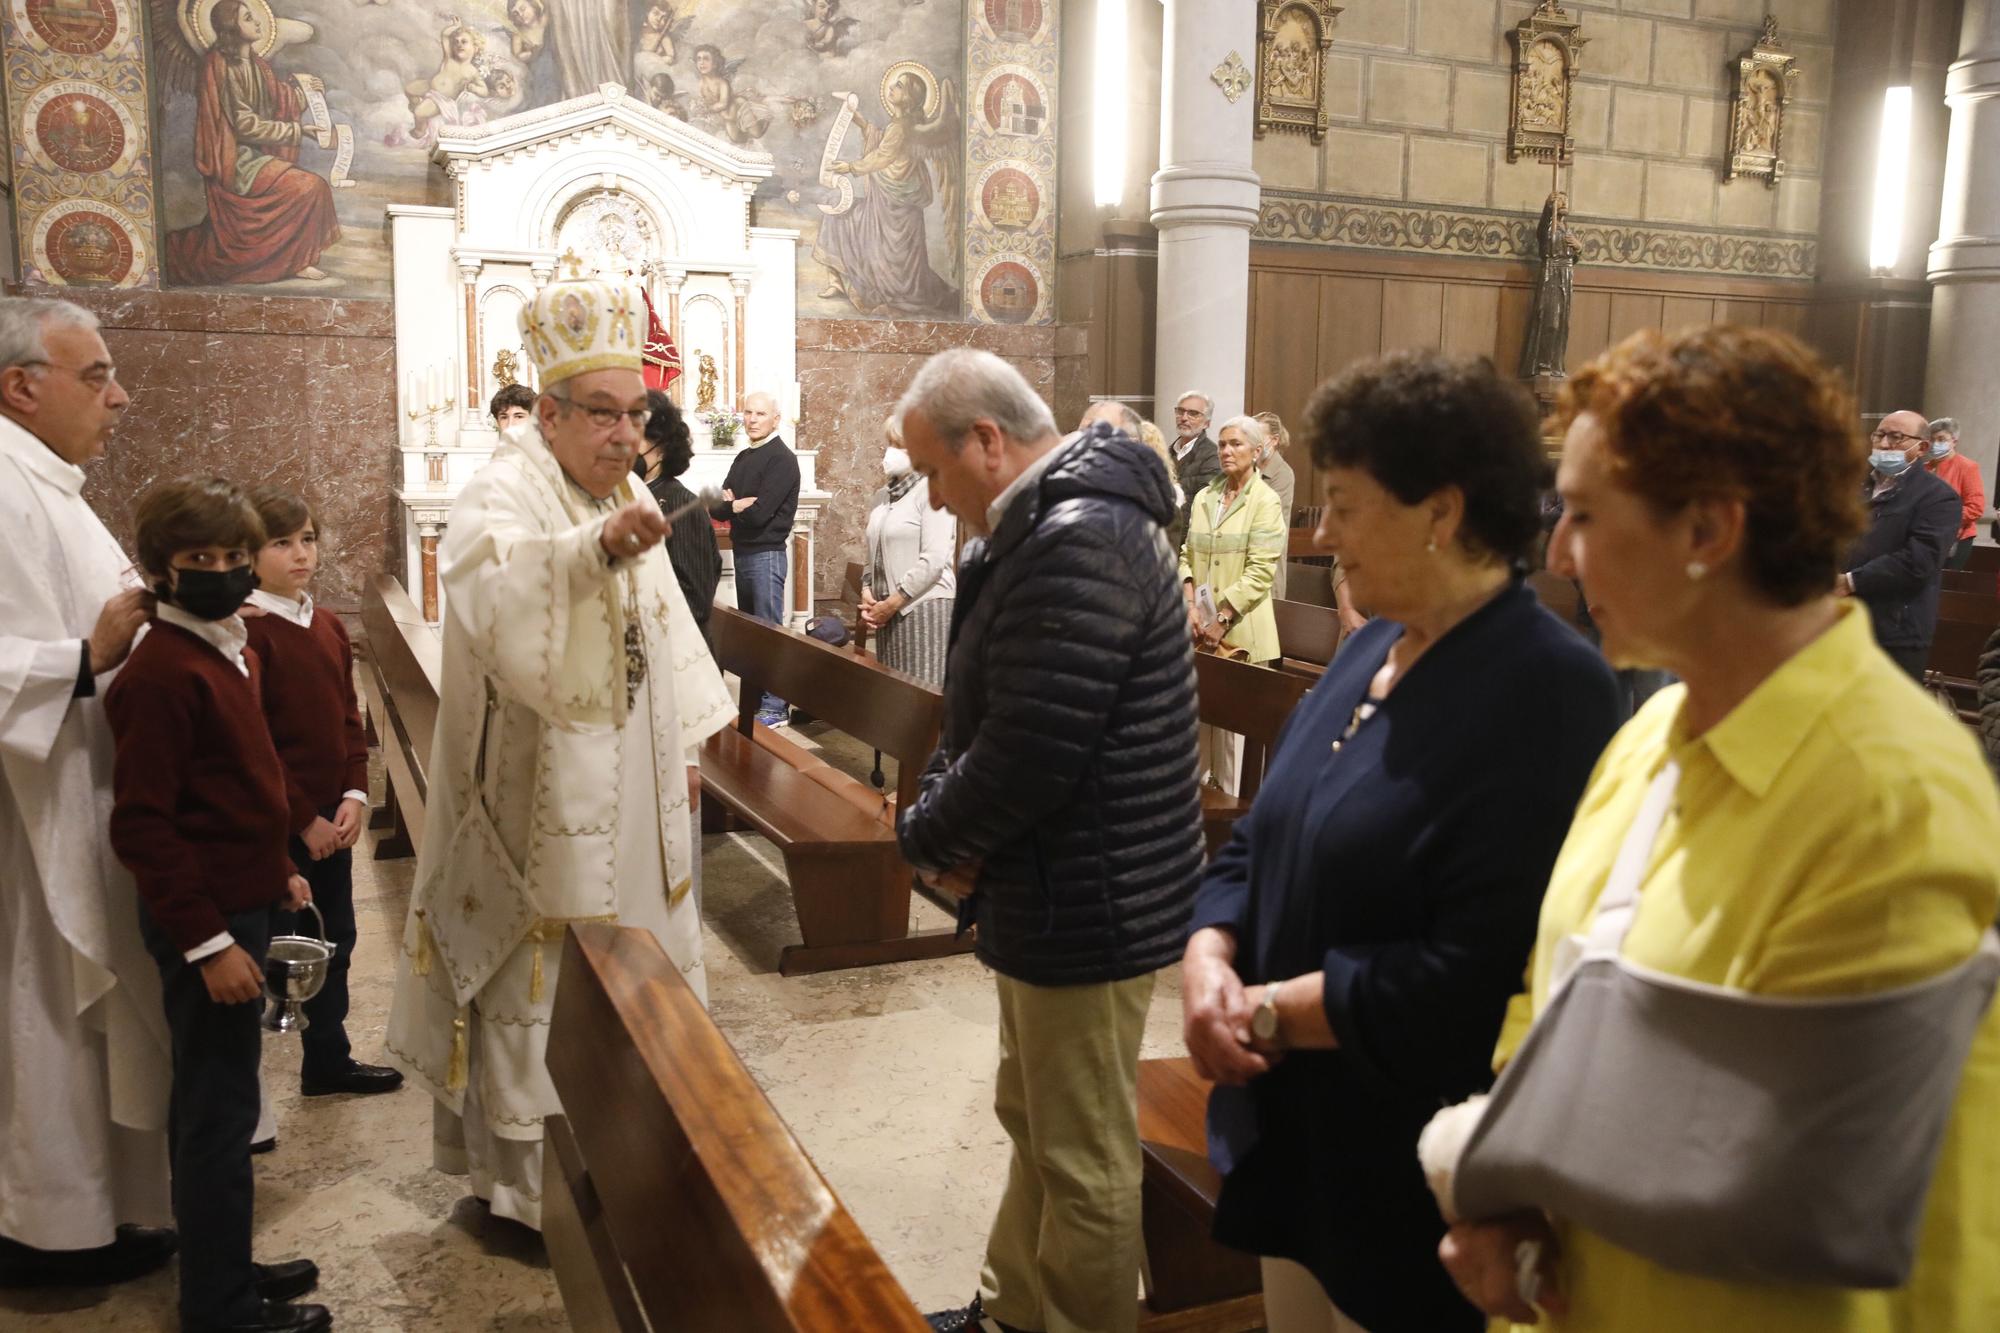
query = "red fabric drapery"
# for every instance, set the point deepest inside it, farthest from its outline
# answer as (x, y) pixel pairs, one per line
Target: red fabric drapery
(662, 361)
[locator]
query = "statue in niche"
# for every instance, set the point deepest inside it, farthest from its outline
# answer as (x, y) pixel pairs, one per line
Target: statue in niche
(1757, 114)
(705, 394)
(1546, 349)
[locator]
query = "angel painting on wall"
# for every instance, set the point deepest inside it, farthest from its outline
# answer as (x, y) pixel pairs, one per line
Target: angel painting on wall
(828, 31)
(660, 30)
(876, 253)
(457, 93)
(268, 219)
(741, 118)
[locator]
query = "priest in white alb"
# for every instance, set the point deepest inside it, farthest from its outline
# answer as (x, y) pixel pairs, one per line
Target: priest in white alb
(574, 693)
(85, 1074)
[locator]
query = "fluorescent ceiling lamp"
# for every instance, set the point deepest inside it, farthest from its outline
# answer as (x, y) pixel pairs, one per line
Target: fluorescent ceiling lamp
(1892, 167)
(1107, 111)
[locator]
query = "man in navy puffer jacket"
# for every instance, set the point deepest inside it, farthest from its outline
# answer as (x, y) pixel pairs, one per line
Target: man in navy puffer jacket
(1062, 807)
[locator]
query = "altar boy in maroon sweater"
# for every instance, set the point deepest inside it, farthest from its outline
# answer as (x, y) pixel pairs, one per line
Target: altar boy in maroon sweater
(199, 817)
(315, 722)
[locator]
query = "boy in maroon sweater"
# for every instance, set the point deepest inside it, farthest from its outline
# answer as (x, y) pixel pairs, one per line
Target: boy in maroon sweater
(315, 722)
(199, 817)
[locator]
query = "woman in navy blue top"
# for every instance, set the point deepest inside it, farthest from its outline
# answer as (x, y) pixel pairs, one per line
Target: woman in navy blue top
(1355, 944)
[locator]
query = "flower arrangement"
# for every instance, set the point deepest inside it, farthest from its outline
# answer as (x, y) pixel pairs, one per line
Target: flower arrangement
(722, 427)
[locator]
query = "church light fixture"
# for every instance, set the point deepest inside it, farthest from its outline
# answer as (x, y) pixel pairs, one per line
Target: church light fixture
(1892, 167)
(1107, 112)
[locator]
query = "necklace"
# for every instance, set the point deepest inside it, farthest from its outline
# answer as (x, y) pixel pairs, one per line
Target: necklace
(1362, 712)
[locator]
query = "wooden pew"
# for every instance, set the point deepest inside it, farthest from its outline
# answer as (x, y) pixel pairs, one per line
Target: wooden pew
(1252, 701)
(850, 885)
(1308, 636)
(674, 1197)
(402, 667)
(1191, 1281)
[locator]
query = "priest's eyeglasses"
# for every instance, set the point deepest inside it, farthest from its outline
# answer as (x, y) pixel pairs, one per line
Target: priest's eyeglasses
(96, 376)
(604, 418)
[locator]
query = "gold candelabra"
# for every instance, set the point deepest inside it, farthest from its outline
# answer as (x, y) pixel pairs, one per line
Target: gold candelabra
(429, 416)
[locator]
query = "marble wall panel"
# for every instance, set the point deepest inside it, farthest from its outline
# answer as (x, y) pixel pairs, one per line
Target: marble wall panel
(851, 372)
(289, 390)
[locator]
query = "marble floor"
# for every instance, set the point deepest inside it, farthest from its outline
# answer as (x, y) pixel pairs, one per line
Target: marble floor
(884, 1074)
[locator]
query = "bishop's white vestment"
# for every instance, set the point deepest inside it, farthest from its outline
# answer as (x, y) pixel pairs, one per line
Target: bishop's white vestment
(87, 1069)
(556, 795)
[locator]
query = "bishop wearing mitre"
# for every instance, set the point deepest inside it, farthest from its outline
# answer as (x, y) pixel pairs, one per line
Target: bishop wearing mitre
(574, 692)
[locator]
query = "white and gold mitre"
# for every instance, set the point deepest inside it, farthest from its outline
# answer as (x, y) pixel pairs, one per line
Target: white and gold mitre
(572, 328)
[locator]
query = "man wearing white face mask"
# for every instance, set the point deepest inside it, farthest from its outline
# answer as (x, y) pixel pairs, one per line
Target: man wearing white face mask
(906, 596)
(1913, 521)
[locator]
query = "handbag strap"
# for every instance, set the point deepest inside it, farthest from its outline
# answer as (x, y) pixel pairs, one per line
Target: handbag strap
(1619, 903)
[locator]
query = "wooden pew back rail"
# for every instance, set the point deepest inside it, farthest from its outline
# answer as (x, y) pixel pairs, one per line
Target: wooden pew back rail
(676, 1192)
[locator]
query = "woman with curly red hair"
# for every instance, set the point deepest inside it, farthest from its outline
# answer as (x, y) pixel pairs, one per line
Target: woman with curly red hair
(1825, 833)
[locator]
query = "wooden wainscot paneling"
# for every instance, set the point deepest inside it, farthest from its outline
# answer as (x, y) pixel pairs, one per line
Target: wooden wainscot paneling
(1316, 310)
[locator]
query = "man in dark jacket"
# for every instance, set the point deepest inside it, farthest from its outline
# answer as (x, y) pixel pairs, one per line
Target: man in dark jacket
(760, 496)
(1196, 458)
(1062, 806)
(1912, 523)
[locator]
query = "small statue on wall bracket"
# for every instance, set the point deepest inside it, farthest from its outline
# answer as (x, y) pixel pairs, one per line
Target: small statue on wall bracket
(506, 368)
(1765, 75)
(1293, 38)
(1547, 47)
(1545, 350)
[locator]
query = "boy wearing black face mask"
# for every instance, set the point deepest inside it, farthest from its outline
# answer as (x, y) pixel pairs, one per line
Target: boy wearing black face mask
(200, 818)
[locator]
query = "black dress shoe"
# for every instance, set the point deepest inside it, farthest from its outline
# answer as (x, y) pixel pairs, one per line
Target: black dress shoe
(356, 1077)
(263, 1146)
(280, 1317)
(136, 1252)
(286, 1281)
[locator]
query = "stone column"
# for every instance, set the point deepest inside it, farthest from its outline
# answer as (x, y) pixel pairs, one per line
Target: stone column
(1205, 199)
(1965, 262)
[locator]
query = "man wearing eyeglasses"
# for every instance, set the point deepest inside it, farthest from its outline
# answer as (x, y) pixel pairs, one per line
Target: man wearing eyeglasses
(1912, 523)
(1196, 459)
(574, 689)
(85, 1072)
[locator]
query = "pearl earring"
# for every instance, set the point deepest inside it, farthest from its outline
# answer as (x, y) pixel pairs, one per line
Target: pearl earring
(1697, 570)
(1431, 546)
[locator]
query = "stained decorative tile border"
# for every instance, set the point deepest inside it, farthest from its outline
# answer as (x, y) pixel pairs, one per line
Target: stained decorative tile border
(1398, 227)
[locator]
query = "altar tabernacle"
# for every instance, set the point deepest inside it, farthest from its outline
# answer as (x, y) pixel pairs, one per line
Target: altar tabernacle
(575, 685)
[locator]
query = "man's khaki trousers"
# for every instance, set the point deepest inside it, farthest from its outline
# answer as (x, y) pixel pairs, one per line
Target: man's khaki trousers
(1064, 1253)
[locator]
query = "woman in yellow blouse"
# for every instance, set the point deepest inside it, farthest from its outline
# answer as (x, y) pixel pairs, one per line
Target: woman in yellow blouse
(1834, 831)
(1236, 537)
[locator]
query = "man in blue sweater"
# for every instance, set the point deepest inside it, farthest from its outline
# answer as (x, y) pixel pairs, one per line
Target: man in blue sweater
(759, 497)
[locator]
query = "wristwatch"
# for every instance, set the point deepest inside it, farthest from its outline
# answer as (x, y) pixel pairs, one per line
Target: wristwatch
(1264, 1023)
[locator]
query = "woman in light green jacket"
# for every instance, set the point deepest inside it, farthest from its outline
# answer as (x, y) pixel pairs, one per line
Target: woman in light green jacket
(1236, 538)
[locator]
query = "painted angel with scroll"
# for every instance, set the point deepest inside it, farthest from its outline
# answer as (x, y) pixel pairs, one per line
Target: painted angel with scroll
(268, 218)
(876, 252)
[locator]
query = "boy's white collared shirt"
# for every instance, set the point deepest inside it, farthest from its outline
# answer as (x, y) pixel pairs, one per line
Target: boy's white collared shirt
(227, 636)
(299, 612)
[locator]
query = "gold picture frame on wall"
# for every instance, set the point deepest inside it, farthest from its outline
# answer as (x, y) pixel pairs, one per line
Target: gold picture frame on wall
(1292, 42)
(1547, 47)
(1765, 75)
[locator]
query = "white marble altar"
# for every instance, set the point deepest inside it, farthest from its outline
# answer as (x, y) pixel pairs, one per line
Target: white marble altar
(598, 185)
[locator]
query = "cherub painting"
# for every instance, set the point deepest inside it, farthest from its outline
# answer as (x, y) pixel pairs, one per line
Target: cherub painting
(456, 94)
(876, 253)
(661, 96)
(660, 30)
(828, 32)
(741, 118)
(530, 19)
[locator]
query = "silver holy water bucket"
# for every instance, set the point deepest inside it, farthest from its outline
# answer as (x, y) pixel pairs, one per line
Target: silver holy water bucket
(294, 969)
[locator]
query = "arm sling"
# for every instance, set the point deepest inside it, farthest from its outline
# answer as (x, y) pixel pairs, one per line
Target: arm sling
(1717, 1132)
